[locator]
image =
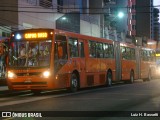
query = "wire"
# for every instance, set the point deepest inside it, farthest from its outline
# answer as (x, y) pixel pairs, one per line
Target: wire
(62, 12)
(39, 6)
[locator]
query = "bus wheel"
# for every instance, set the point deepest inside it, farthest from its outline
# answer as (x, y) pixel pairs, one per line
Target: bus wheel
(109, 79)
(131, 77)
(74, 83)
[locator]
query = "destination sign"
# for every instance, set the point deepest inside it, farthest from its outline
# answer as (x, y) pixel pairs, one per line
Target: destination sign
(158, 55)
(35, 35)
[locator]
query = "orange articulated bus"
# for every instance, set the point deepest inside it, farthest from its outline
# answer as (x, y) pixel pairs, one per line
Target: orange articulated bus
(148, 63)
(41, 59)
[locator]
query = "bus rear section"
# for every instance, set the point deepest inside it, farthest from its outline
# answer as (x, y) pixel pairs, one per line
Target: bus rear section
(134, 62)
(147, 63)
(126, 62)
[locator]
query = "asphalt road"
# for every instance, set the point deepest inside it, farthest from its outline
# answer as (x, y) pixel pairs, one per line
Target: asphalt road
(102, 103)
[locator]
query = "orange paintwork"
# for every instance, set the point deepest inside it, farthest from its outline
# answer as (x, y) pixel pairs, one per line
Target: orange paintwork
(91, 71)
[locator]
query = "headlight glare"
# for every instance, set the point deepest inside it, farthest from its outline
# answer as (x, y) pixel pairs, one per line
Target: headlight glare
(46, 74)
(11, 74)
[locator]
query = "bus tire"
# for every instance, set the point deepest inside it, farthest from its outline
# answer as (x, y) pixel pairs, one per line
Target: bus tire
(74, 83)
(131, 77)
(109, 79)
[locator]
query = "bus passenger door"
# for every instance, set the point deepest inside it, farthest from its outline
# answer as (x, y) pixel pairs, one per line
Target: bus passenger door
(82, 62)
(77, 58)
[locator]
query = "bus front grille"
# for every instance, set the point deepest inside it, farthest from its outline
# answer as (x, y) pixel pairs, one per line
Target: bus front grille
(28, 74)
(29, 83)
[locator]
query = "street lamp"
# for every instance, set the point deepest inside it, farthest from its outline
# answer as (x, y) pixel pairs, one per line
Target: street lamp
(115, 18)
(120, 15)
(112, 24)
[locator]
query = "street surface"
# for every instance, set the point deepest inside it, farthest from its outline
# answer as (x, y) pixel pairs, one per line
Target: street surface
(87, 104)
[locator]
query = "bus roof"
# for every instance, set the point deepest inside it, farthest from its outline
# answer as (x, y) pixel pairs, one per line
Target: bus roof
(66, 33)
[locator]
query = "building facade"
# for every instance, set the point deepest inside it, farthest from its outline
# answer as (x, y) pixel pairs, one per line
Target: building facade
(155, 34)
(90, 17)
(132, 17)
(146, 22)
(25, 14)
(111, 19)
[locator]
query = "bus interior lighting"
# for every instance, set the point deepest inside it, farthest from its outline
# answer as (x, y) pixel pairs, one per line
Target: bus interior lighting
(18, 36)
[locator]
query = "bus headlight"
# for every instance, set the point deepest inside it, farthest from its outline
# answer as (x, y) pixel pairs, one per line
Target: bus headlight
(46, 74)
(11, 74)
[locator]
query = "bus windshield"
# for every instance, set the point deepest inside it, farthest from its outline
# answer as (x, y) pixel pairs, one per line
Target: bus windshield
(30, 53)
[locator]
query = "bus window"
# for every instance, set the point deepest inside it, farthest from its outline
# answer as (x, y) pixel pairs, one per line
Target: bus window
(22, 54)
(123, 51)
(111, 51)
(81, 49)
(99, 50)
(73, 47)
(60, 47)
(43, 56)
(105, 48)
(60, 50)
(128, 53)
(144, 55)
(32, 58)
(132, 54)
(92, 49)
(151, 55)
(30, 53)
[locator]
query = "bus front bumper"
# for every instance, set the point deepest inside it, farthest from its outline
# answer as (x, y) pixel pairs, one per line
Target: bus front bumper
(22, 83)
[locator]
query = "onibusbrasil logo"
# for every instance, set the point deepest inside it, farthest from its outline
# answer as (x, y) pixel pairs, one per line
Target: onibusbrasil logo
(21, 114)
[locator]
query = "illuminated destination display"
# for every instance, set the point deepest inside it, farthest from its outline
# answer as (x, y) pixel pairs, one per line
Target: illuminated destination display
(158, 55)
(36, 35)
